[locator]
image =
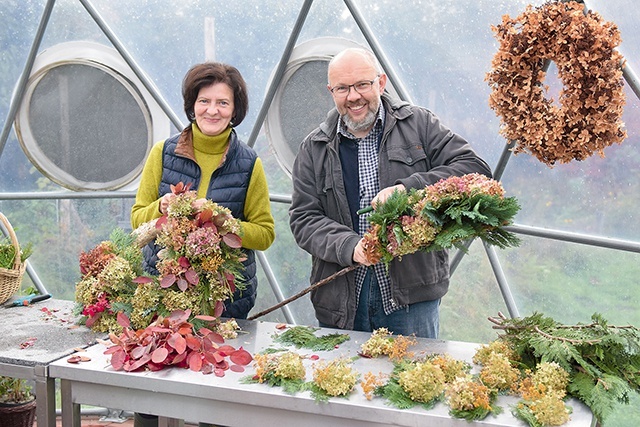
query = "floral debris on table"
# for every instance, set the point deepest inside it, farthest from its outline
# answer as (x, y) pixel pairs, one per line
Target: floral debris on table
(382, 343)
(283, 369)
(199, 264)
(172, 341)
(333, 378)
(602, 360)
(441, 216)
(589, 117)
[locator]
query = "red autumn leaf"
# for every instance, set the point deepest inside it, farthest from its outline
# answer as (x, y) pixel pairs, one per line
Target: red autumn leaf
(138, 352)
(179, 316)
(191, 276)
(179, 358)
(226, 349)
(182, 284)
(180, 187)
(92, 319)
(219, 309)
(140, 363)
(216, 338)
(205, 216)
(223, 364)
(161, 221)
(219, 220)
(314, 357)
(236, 368)
(241, 357)
(185, 329)
(159, 355)
(178, 342)
(118, 358)
(157, 329)
(142, 279)
(153, 367)
(123, 320)
(232, 240)
(219, 372)
(193, 343)
(206, 318)
(168, 280)
(195, 362)
(183, 262)
(74, 359)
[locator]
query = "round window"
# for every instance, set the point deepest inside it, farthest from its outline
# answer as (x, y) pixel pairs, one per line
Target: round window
(85, 121)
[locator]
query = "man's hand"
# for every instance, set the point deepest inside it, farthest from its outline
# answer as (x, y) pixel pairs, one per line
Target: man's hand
(384, 194)
(358, 254)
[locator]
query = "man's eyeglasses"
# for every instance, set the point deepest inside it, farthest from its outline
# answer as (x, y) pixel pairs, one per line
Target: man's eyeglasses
(361, 87)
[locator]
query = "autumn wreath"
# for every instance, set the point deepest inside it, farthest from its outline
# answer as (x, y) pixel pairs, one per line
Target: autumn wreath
(582, 45)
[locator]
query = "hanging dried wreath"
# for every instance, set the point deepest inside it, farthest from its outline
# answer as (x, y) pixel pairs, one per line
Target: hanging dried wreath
(592, 98)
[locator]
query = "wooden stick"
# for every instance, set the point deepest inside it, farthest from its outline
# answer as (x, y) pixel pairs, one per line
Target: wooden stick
(305, 291)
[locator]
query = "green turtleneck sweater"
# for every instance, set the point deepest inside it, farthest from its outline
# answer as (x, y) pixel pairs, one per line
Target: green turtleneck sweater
(258, 226)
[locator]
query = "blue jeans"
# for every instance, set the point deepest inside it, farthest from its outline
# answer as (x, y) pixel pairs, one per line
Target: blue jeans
(421, 319)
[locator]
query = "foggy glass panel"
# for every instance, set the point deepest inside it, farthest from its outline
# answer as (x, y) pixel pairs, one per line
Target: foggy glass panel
(305, 102)
(88, 124)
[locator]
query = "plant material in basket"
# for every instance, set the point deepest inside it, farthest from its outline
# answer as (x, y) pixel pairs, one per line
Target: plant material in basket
(14, 390)
(8, 253)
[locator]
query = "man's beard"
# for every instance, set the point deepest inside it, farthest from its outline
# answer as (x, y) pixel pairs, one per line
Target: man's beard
(362, 125)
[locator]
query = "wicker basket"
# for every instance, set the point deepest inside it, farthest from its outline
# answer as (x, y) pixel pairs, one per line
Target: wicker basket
(22, 415)
(11, 278)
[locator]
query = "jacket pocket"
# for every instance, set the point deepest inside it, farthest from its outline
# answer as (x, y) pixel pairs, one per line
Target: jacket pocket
(411, 158)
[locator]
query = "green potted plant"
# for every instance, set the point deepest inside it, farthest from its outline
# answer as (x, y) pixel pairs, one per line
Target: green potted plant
(17, 403)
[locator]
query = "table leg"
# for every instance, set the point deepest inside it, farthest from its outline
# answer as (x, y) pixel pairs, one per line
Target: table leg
(169, 422)
(46, 397)
(70, 410)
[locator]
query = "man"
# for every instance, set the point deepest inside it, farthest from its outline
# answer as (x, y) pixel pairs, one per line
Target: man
(369, 146)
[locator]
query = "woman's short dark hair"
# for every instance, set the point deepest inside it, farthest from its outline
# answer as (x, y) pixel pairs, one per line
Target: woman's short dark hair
(209, 73)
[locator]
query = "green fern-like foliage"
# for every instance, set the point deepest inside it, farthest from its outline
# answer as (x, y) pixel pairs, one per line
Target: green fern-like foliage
(304, 337)
(395, 395)
(603, 360)
(124, 244)
(476, 413)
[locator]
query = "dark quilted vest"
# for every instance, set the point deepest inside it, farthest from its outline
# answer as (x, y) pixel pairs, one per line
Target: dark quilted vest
(228, 187)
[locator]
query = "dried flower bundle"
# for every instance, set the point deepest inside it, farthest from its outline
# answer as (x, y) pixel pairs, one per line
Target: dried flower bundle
(200, 261)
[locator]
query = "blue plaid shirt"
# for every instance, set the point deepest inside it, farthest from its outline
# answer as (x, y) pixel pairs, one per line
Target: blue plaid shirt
(368, 148)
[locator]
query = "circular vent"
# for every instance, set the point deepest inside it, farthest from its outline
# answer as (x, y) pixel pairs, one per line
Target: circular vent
(302, 100)
(85, 121)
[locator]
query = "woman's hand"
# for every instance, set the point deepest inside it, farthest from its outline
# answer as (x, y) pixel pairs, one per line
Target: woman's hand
(164, 202)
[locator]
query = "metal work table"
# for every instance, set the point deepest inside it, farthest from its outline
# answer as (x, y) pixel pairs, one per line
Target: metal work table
(179, 394)
(33, 336)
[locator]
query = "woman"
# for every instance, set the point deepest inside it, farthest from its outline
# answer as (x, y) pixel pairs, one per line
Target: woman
(208, 154)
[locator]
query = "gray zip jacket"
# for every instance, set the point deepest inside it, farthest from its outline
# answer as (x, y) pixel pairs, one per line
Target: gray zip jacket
(416, 150)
